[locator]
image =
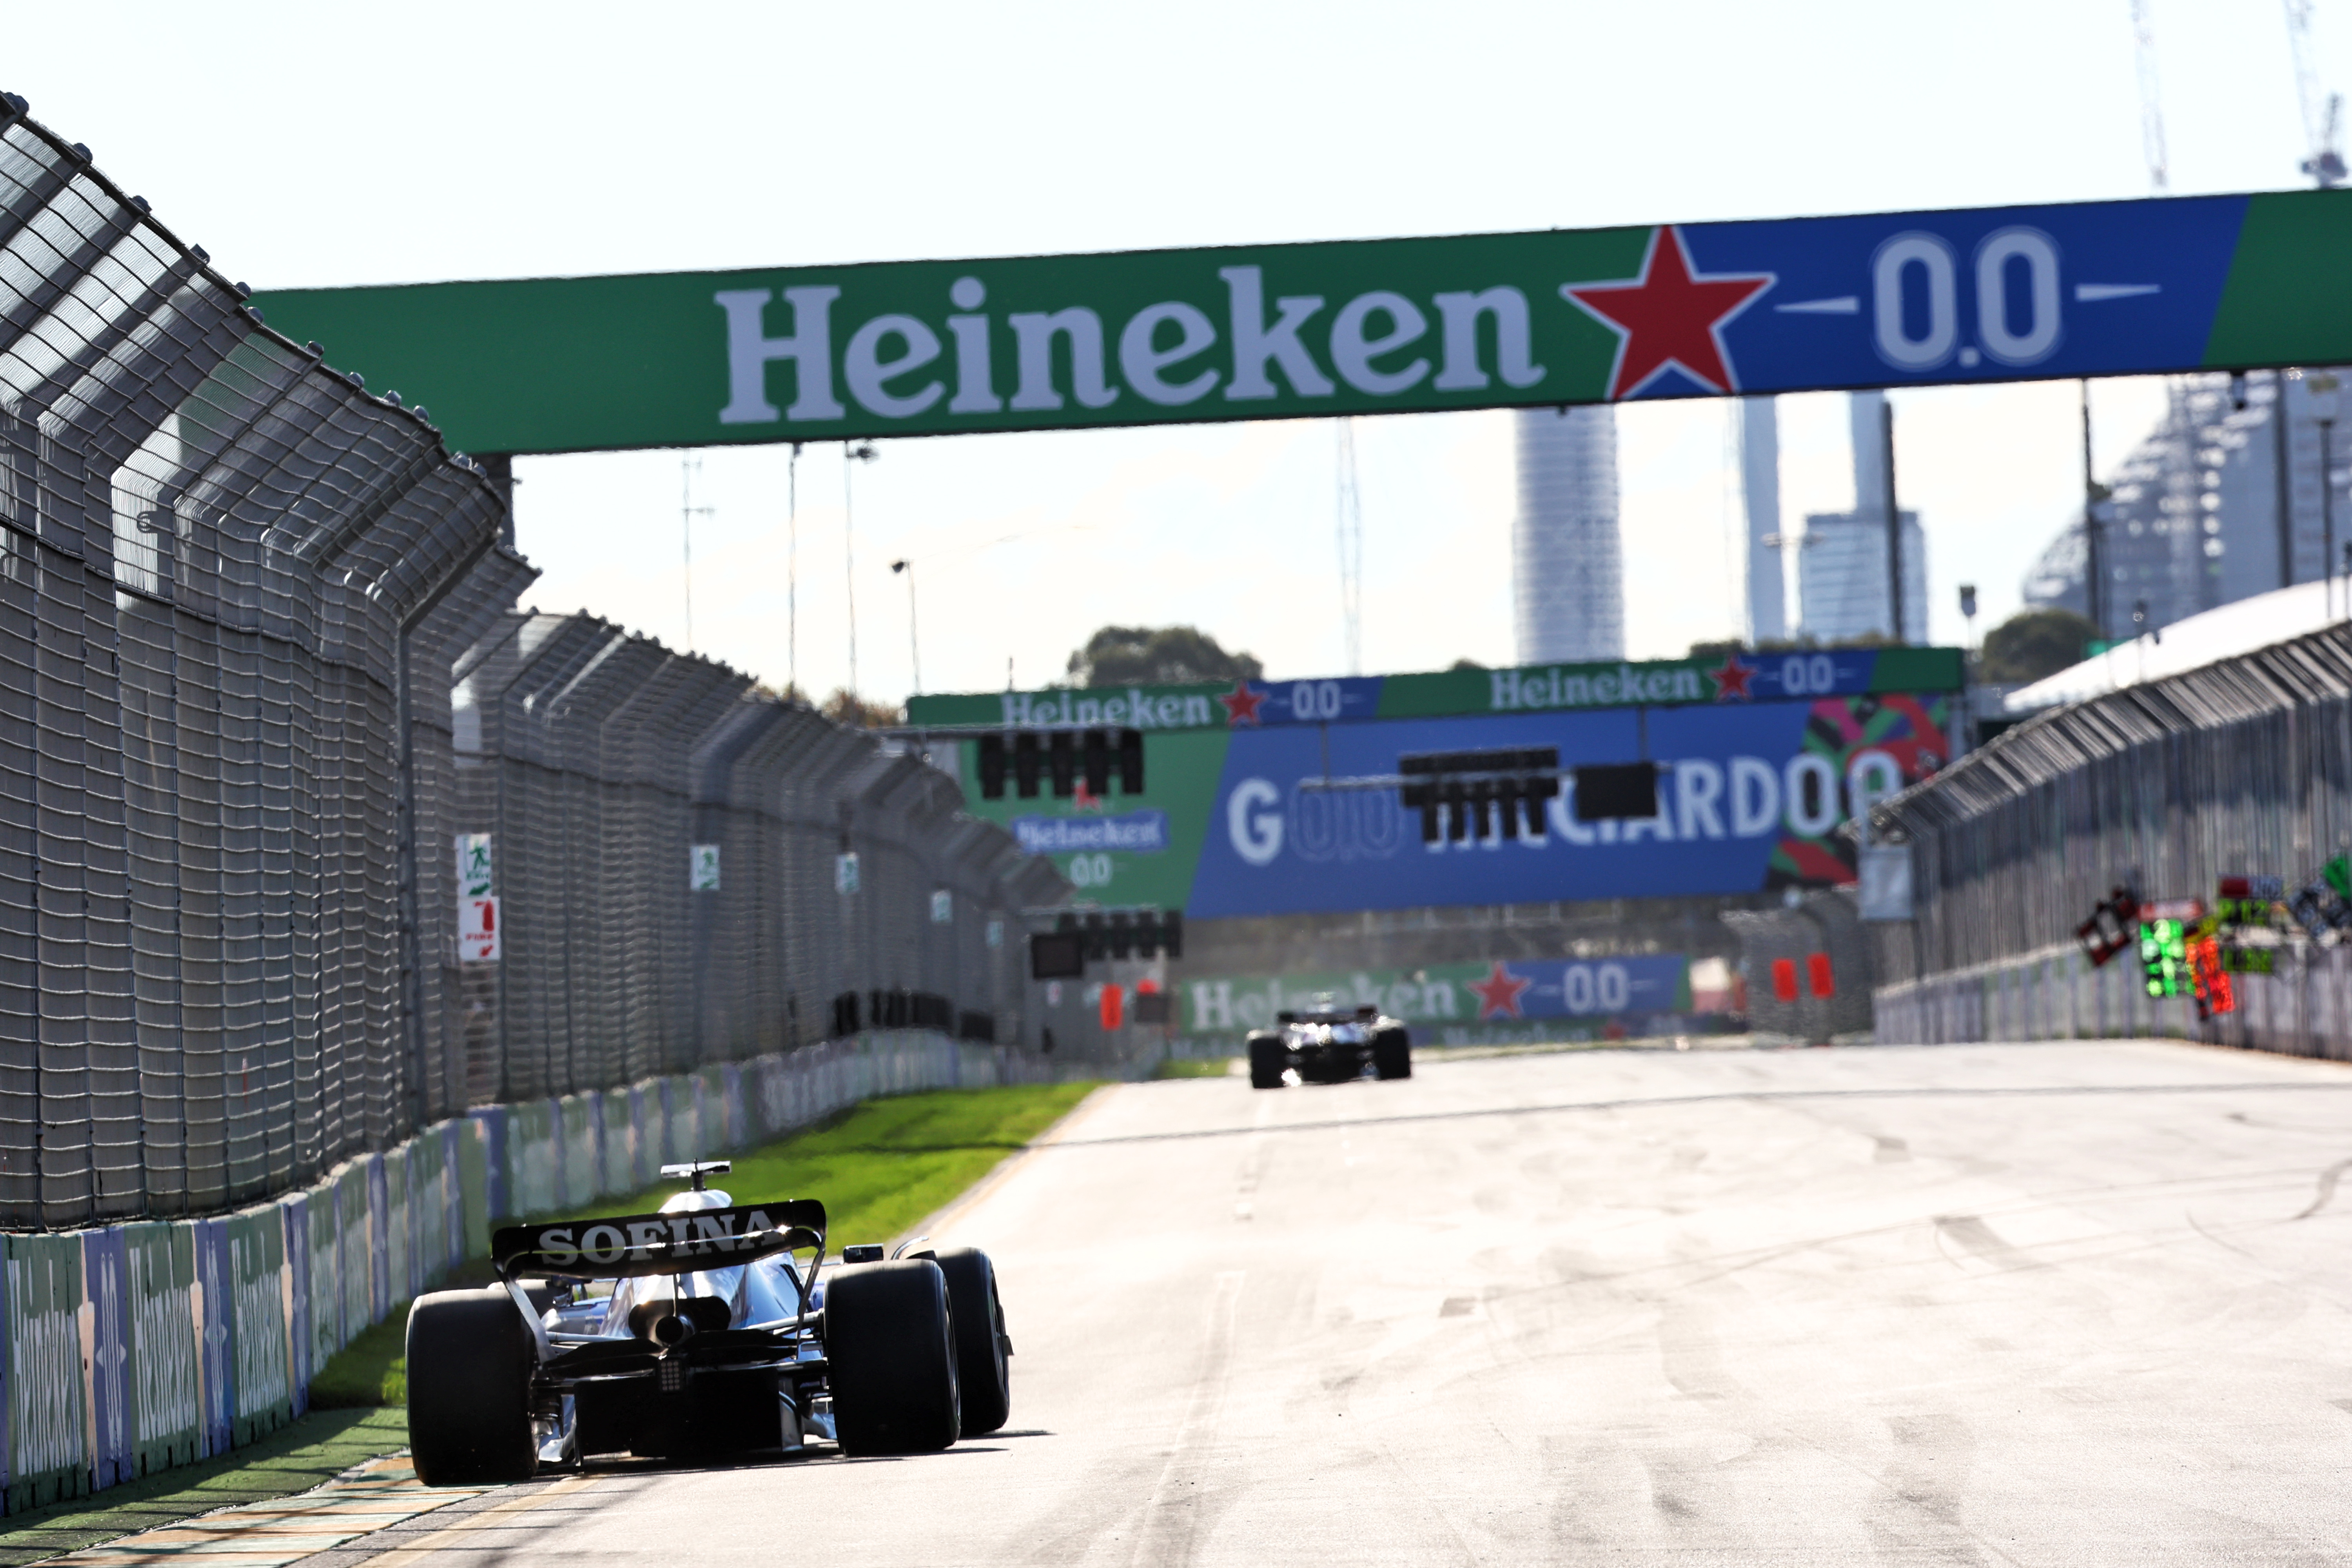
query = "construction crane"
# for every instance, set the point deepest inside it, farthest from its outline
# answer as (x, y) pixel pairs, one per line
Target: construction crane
(2151, 110)
(2323, 112)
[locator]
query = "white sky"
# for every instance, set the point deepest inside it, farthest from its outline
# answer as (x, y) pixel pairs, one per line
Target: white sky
(310, 144)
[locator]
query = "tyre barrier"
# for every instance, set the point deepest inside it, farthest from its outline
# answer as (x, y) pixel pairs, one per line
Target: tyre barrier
(132, 1348)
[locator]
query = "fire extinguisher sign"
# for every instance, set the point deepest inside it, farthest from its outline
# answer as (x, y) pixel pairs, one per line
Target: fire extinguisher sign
(478, 901)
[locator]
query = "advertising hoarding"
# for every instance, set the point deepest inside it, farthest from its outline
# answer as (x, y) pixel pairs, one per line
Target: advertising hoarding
(919, 348)
(1492, 991)
(1233, 822)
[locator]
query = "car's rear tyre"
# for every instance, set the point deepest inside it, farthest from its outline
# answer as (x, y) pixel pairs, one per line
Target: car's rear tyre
(890, 1357)
(1392, 1054)
(1267, 1059)
(470, 1363)
(983, 1367)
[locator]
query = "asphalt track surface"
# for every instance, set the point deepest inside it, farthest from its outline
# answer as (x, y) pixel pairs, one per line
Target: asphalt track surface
(2045, 1304)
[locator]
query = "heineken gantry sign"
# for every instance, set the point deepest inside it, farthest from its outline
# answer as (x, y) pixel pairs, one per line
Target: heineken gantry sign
(921, 348)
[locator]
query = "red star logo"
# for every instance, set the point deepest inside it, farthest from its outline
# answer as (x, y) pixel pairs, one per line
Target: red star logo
(1498, 994)
(1241, 704)
(1732, 680)
(1669, 316)
(1084, 799)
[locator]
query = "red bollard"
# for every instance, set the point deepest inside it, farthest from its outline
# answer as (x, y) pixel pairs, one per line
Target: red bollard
(1817, 971)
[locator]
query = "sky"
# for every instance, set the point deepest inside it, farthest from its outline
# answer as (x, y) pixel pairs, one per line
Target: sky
(315, 145)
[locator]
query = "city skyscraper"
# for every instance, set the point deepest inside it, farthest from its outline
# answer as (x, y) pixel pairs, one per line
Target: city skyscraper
(1759, 484)
(2220, 500)
(1841, 566)
(1566, 561)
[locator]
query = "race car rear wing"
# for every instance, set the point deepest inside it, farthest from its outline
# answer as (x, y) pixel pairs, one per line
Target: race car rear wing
(628, 1246)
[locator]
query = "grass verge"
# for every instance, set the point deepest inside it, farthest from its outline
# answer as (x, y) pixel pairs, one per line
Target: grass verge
(1194, 1067)
(313, 1450)
(880, 1167)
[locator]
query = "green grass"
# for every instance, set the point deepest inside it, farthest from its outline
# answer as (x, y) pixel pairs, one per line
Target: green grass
(885, 1164)
(314, 1449)
(1194, 1067)
(879, 1167)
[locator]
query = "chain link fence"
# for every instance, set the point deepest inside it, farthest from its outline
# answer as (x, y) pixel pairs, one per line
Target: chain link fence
(236, 593)
(2243, 767)
(690, 871)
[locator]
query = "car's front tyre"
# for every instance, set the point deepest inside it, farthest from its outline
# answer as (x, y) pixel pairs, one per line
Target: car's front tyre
(1392, 1054)
(470, 1357)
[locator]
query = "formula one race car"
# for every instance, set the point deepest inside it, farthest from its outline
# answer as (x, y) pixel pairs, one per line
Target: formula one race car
(693, 1332)
(1330, 1044)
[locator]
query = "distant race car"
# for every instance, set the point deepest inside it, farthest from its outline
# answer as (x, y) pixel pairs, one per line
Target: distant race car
(709, 1339)
(1330, 1044)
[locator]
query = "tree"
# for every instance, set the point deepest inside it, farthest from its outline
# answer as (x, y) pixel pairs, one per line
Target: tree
(2032, 644)
(846, 707)
(1162, 656)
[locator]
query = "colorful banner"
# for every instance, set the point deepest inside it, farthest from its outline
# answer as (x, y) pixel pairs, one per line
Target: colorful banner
(1751, 797)
(47, 1399)
(1267, 704)
(1490, 992)
(695, 359)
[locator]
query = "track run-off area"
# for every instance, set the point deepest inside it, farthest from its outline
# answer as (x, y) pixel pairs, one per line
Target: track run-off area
(2034, 1303)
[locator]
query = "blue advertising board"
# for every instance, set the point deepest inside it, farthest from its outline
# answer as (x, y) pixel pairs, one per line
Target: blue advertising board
(1750, 797)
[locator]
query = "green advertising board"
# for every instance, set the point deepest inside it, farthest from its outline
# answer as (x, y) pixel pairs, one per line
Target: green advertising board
(935, 347)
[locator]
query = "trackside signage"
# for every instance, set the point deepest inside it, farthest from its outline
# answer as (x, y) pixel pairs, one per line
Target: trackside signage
(1261, 704)
(920, 348)
(1490, 990)
(656, 1241)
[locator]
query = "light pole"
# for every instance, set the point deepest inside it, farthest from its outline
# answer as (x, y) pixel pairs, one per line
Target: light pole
(914, 641)
(861, 452)
(2323, 407)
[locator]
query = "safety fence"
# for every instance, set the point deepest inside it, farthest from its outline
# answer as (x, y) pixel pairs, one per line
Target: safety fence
(219, 560)
(310, 839)
(130, 1348)
(2241, 768)
(688, 871)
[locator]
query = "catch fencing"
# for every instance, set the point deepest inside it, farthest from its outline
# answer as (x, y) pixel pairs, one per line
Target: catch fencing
(688, 871)
(261, 674)
(2243, 767)
(219, 563)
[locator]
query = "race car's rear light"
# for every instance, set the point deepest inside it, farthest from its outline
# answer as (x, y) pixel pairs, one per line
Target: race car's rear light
(670, 1374)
